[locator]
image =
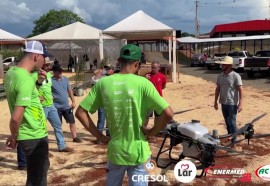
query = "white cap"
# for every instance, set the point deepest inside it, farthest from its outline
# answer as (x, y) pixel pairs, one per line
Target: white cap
(37, 48)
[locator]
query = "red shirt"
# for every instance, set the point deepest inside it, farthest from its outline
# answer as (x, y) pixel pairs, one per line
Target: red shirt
(159, 80)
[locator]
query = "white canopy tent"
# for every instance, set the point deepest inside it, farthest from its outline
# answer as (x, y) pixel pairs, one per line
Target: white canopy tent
(140, 26)
(6, 36)
(80, 34)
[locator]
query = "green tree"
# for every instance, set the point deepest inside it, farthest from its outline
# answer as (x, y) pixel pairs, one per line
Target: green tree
(54, 19)
(185, 34)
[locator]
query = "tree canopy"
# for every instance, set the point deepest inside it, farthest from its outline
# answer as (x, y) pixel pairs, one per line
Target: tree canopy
(54, 19)
(185, 34)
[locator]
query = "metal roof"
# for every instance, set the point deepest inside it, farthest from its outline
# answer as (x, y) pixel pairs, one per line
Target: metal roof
(244, 26)
(222, 39)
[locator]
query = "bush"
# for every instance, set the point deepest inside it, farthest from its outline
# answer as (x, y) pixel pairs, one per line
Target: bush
(12, 53)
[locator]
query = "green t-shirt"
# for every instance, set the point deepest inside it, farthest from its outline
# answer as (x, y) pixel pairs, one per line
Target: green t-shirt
(45, 90)
(21, 91)
(126, 98)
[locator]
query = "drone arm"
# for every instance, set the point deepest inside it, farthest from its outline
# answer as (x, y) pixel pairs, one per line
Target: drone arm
(160, 122)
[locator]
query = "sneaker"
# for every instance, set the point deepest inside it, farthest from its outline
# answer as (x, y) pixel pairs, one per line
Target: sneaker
(22, 168)
(67, 149)
(77, 140)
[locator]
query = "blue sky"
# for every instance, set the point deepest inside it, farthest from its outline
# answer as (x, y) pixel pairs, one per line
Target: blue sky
(17, 16)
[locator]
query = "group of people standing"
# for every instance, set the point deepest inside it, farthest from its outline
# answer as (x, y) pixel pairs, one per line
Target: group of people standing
(124, 99)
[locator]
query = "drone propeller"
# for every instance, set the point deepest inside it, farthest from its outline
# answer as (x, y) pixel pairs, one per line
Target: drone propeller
(183, 111)
(256, 136)
(244, 128)
(230, 150)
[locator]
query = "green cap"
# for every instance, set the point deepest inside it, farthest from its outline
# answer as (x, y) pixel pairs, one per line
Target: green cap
(130, 51)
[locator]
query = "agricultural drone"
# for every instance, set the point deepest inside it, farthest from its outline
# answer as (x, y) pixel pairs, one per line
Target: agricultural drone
(198, 144)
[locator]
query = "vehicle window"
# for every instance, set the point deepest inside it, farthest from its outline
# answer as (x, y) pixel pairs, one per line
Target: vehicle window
(7, 60)
(263, 54)
(241, 54)
(233, 54)
(248, 54)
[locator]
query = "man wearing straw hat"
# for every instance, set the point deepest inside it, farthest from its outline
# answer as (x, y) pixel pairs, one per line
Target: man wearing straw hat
(230, 93)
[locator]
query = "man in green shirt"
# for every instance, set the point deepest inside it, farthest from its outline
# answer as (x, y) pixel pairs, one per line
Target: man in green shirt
(46, 99)
(28, 123)
(126, 98)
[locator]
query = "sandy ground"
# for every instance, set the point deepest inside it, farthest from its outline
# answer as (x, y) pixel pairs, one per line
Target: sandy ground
(86, 166)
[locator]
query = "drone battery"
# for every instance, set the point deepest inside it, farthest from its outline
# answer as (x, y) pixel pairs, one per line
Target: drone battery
(191, 150)
(193, 130)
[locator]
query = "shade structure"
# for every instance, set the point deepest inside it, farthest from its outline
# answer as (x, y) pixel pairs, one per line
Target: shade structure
(6, 36)
(140, 26)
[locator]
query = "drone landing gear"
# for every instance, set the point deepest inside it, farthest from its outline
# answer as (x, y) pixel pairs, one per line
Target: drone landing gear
(173, 142)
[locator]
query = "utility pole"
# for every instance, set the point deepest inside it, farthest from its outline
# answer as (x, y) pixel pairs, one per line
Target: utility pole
(197, 27)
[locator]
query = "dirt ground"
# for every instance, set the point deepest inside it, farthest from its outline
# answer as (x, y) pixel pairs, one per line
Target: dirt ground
(86, 165)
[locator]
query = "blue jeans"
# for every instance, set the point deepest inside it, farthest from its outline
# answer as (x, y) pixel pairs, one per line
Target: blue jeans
(115, 174)
(229, 113)
(101, 119)
(52, 115)
(21, 156)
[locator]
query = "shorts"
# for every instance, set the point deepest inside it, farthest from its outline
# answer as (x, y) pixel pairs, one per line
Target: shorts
(67, 114)
(151, 113)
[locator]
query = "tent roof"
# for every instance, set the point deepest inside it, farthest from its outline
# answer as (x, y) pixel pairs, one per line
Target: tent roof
(139, 26)
(74, 31)
(222, 39)
(6, 36)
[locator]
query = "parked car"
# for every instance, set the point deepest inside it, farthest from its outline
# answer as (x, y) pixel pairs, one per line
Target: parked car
(8, 62)
(239, 59)
(211, 63)
(198, 60)
(260, 63)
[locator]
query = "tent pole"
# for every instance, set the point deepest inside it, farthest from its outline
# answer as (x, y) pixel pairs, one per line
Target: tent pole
(170, 51)
(174, 56)
(101, 47)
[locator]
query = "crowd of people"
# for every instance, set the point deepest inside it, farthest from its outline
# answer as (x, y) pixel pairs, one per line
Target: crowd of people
(123, 100)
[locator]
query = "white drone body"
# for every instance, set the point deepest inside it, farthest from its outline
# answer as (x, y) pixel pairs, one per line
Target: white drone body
(198, 134)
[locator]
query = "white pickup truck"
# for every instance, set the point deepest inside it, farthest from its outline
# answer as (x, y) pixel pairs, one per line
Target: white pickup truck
(239, 59)
(211, 62)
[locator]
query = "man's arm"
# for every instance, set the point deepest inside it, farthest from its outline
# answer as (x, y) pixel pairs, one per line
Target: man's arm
(164, 82)
(70, 93)
(240, 89)
(160, 122)
(14, 124)
(216, 97)
(89, 125)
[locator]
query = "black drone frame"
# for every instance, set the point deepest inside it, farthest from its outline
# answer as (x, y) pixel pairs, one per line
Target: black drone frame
(207, 150)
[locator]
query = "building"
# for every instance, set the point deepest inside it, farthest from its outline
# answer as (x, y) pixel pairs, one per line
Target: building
(244, 28)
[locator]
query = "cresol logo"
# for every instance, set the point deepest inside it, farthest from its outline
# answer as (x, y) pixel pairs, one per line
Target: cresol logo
(263, 172)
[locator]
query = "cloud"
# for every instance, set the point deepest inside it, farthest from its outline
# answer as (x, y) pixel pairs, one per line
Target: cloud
(12, 12)
(66, 3)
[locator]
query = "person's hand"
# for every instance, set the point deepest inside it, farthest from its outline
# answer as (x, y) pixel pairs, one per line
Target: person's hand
(73, 105)
(11, 143)
(216, 105)
(41, 98)
(145, 130)
(148, 76)
(104, 139)
(239, 108)
(41, 75)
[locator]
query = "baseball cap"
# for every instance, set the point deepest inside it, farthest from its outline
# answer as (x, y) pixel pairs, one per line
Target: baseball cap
(57, 68)
(131, 51)
(37, 48)
(109, 67)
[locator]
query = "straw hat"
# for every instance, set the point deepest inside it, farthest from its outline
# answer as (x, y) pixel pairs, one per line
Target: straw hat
(227, 60)
(48, 61)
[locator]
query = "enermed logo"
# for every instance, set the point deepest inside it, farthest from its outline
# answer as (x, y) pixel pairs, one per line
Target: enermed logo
(185, 171)
(152, 176)
(263, 172)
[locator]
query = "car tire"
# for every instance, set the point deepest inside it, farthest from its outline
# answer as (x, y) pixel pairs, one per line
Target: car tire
(250, 74)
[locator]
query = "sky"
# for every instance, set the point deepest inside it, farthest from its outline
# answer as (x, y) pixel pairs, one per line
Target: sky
(17, 16)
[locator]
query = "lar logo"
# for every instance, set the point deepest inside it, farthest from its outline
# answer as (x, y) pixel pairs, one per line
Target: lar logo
(185, 171)
(150, 166)
(263, 172)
